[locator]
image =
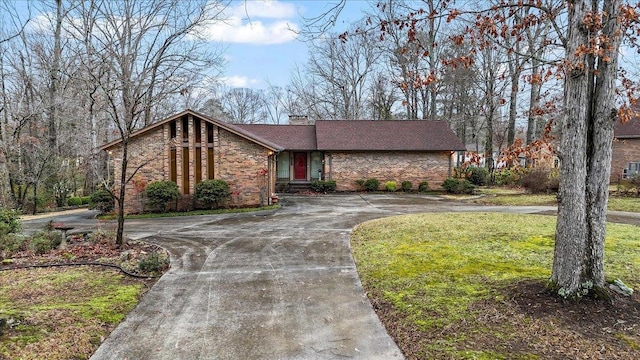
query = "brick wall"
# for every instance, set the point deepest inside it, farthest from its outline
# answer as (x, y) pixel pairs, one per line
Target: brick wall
(347, 167)
(240, 162)
(624, 152)
(236, 160)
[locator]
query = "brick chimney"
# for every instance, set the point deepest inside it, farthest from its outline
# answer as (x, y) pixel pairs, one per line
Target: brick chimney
(299, 120)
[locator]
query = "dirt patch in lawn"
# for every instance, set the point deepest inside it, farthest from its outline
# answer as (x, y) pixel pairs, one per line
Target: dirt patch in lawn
(525, 321)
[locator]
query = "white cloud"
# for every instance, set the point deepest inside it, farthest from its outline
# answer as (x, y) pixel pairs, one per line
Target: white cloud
(237, 81)
(265, 9)
(256, 22)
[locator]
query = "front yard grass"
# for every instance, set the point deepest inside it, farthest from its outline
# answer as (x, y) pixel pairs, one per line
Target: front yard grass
(62, 313)
(517, 197)
(471, 286)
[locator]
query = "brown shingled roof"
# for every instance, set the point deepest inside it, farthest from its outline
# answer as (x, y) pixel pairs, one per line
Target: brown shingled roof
(630, 129)
(399, 135)
(290, 137)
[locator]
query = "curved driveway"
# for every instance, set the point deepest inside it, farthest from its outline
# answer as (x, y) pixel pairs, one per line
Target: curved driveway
(272, 285)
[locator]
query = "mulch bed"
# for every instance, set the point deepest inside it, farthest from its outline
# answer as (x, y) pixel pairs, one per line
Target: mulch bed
(80, 251)
(530, 321)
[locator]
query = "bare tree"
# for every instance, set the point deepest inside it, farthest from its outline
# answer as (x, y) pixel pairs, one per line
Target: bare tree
(335, 81)
(144, 51)
(244, 106)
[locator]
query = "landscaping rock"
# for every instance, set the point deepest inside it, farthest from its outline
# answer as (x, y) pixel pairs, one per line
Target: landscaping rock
(621, 288)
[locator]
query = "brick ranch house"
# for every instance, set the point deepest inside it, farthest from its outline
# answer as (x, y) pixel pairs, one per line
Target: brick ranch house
(625, 157)
(259, 160)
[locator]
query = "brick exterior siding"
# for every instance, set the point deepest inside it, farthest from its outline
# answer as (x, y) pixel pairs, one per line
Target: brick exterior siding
(237, 160)
(624, 152)
(347, 167)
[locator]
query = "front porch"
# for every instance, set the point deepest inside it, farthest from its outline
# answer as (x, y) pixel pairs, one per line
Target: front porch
(297, 169)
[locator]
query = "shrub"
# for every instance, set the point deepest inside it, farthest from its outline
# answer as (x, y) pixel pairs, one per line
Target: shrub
(159, 193)
(458, 186)
(537, 181)
(506, 177)
(85, 200)
(406, 186)
(212, 193)
(153, 263)
(323, 185)
(10, 244)
(391, 186)
(9, 221)
(40, 243)
(478, 175)
(423, 186)
(102, 200)
(360, 183)
(74, 201)
(371, 184)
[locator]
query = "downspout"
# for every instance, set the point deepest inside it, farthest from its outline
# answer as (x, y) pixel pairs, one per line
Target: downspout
(450, 162)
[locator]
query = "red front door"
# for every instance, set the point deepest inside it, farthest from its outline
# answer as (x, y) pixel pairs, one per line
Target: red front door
(300, 166)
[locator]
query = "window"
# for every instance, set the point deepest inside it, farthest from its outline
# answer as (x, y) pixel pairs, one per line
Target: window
(316, 165)
(210, 164)
(198, 165)
(172, 130)
(185, 170)
(185, 129)
(198, 131)
(210, 133)
(173, 168)
(282, 166)
(633, 168)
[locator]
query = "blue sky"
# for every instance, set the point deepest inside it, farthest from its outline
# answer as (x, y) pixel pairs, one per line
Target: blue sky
(260, 45)
(261, 48)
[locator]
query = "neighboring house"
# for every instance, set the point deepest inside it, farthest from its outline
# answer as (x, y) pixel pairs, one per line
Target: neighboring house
(258, 160)
(625, 158)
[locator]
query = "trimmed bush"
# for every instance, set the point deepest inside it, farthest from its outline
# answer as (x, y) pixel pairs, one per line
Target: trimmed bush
(9, 221)
(391, 186)
(85, 200)
(371, 184)
(159, 193)
(153, 263)
(212, 193)
(423, 187)
(102, 200)
(360, 183)
(74, 201)
(478, 176)
(323, 186)
(458, 186)
(406, 186)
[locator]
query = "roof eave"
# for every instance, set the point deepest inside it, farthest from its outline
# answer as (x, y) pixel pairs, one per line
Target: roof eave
(233, 129)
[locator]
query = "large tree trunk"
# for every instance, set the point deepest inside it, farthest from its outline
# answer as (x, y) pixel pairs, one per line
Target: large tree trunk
(569, 274)
(601, 136)
(585, 153)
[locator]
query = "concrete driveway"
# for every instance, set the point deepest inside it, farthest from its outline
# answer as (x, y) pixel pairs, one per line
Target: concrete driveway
(272, 285)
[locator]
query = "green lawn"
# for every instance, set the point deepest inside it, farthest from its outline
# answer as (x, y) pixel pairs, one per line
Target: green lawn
(516, 197)
(434, 269)
(62, 313)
